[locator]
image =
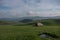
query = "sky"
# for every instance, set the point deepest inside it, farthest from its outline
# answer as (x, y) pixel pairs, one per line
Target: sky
(23, 8)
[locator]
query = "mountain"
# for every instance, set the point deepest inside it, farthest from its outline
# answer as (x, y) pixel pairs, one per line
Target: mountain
(8, 19)
(34, 18)
(21, 18)
(55, 17)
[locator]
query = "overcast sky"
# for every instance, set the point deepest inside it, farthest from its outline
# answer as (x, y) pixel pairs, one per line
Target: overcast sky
(20, 8)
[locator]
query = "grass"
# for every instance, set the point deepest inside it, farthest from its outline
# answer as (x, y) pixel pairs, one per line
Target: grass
(10, 32)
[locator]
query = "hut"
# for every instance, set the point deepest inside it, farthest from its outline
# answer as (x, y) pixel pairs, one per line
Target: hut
(38, 24)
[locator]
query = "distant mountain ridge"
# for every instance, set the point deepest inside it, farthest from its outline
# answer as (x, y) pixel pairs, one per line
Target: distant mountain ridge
(55, 17)
(34, 18)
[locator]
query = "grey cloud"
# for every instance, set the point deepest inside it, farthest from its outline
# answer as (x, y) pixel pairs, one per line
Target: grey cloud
(18, 8)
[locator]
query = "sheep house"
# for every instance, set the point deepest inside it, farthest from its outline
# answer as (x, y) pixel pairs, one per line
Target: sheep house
(38, 24)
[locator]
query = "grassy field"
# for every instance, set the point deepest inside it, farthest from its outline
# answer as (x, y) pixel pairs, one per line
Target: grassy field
(10, 32)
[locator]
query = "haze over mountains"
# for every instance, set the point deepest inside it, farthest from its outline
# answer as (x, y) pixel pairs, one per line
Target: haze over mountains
(34, 18)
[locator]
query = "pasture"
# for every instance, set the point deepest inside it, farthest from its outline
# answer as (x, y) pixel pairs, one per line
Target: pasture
(28, 32)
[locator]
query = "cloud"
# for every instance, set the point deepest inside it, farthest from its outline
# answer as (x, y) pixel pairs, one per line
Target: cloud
(46, 7)
(19, 8)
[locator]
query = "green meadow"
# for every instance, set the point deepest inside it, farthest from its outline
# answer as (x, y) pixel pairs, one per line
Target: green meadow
(11, 30)
(27, 32)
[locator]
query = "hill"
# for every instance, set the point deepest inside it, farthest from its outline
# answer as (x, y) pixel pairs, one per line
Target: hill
(31, 17)
(51, 21)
